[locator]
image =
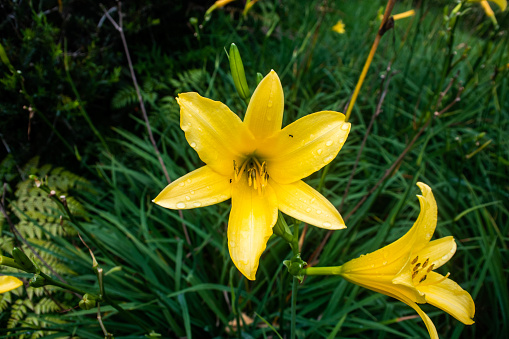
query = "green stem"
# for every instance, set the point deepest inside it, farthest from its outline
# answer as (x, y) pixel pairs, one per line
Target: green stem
(336, 270)
(51, 281)
(76, 223)
(295, 286)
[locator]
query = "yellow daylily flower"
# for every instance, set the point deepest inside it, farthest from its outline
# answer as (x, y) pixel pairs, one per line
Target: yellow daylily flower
(339, 27)
(404, 269)
(258, 165)
(8, 283)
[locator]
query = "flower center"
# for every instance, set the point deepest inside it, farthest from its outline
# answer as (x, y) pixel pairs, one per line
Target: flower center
(257, 176)
(421, 270)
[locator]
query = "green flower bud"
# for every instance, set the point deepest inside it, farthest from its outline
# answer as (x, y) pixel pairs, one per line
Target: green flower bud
(295, 265)
(237, 70)
(259, 77)
(37, 281)
(87, 302)
(22, 260)
(9, 262)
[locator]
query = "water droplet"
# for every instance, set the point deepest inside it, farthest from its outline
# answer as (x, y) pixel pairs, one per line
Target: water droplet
(197, 204)
(181, 205)
(270, 104)
(330, 142)
(193, 144)
(345, 127)
(191, 191)
(182, 184)
(342, 140)
(327, 224)
(318, 211)
(188, 198)
(385, 262)
(312, 200)
(328, 159)
(319, 151)
(188, 181)
(308, 209)
(208, 187)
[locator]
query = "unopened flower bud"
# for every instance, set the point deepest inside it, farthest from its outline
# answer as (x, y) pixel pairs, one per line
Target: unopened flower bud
(23, 261)
(237, 70)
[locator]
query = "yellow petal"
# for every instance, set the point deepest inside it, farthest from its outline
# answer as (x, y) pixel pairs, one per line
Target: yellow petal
(422, 230)
(393, 291)
(438, 251)
(304, 146)
(264, 114)
(250, 226)
(214, 131)
(448, 296)
(427, 321)
(302, 202)
(201, 187)
(8, 283)
(394, 259)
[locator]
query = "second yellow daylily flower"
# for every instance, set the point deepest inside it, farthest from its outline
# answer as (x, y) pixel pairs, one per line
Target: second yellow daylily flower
(8, 283)
(339, 27)
(404, 269)
(258, 165)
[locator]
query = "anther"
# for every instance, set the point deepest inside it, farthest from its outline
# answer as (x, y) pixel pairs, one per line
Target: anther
(422, 279)
(417, 266)
(414, 274)
(431, 268)
(425, 263)
(415, 260)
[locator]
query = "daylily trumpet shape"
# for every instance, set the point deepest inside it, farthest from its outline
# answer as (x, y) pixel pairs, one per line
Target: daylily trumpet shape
(258, 165)
(8, 283)
(404, 269)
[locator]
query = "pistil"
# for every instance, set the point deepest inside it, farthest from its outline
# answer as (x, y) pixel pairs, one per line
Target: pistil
(256, 172)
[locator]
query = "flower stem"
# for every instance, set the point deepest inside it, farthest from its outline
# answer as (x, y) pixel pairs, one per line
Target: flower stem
(295, 286)
(51, 281)
(321, 270)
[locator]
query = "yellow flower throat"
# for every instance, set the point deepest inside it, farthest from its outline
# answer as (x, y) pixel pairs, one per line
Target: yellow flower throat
(257, 176)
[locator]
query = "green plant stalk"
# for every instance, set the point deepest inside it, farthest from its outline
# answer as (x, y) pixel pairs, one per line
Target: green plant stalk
(336, 270)
(51, 281)
(76, 223)
(295, 284)
(82, 110)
